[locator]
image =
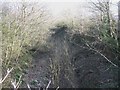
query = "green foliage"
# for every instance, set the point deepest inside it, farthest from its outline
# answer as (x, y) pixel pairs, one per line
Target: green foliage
(108, 33)
(110, 41)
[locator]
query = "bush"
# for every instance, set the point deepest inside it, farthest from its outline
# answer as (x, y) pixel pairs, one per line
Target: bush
(21, 31)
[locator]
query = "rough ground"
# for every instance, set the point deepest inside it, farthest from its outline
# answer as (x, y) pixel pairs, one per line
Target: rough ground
(38, 74)
(90, 69)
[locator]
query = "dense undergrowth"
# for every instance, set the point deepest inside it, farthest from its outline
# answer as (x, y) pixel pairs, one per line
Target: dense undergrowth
(20, 33)
(26, 30)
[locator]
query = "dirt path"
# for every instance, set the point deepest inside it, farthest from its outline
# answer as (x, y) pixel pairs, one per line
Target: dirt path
(38, 74)
(72, 65)
(91, 70)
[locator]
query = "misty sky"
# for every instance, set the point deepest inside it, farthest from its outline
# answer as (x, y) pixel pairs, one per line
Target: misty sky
(72, 7)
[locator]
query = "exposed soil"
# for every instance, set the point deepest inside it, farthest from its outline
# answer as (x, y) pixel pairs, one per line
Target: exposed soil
(38, 74)
(90, 69)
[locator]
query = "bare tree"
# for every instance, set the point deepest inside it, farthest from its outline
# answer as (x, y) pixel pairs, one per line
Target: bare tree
(102, 7)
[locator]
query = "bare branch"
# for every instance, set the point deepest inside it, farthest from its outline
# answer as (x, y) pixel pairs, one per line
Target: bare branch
(28, 86)
(102, 55)
(15, 84)
(8, 72)
(48, 85)
(90, 48)
(57, 88)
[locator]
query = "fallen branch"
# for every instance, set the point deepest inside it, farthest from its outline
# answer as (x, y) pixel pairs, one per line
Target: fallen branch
(90, 48)
(102, 55)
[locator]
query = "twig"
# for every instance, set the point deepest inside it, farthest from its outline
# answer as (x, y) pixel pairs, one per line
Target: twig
(15, 84)
(57, 88)
(28, 86)
(90, 48)
(107, 68)
(48, 85)
(19, 82)
(102, 55)
(8, 72)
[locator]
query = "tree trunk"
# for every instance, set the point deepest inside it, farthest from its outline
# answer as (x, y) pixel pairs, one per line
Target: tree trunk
(119, 38)
(119, 26)
(119, 21)
(108, 17)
